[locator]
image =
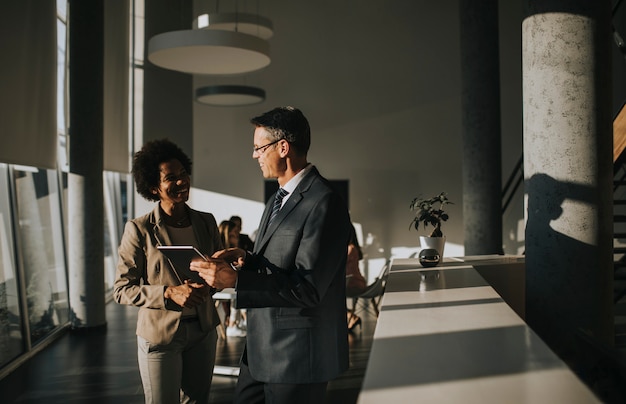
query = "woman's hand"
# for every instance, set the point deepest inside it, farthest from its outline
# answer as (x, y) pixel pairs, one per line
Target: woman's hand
(188, 294)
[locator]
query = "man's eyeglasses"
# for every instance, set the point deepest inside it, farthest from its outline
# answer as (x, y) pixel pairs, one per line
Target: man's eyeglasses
(261, 149)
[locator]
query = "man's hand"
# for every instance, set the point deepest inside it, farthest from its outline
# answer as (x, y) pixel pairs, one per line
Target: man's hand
(216, 272)
(188, 294)
(235, 256)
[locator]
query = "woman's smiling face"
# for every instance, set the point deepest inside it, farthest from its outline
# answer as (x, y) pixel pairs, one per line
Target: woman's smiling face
(174, 183)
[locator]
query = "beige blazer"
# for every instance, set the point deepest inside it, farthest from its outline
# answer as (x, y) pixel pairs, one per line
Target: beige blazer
(143, 273)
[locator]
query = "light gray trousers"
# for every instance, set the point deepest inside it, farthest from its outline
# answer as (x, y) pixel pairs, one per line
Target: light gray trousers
(181, 371)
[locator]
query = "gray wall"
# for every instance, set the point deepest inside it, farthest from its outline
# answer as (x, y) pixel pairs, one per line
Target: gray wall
(380, 84)
(381, 88)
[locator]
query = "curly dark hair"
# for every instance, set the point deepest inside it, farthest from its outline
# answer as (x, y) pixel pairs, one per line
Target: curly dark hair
(287, 123)
(146, 165)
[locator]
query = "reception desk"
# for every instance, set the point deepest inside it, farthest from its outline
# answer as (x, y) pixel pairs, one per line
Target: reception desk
(444, 335)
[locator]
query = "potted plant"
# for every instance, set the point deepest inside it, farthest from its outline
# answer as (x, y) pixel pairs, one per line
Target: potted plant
(430, 211)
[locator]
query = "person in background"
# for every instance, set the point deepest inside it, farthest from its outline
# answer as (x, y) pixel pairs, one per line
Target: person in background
(229, 233)
(293, 285)
(177, 320)
(355, 282)
(235, 318)
(244, 240)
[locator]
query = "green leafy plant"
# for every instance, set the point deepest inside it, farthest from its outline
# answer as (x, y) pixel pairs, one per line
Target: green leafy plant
(430, 211)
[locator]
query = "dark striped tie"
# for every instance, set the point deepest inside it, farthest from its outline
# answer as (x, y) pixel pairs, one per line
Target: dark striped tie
(278, 200)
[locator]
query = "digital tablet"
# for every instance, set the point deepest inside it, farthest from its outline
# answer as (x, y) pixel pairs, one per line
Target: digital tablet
(180, 256)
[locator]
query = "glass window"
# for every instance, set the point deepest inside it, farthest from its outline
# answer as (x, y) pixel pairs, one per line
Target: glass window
(11, 337)
(41, 248)
(115, 214)
(61, 85)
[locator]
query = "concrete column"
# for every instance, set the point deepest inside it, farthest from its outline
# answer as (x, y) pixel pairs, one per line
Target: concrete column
(168, 95)
(568, 171)
(85, 184)
(480, 101)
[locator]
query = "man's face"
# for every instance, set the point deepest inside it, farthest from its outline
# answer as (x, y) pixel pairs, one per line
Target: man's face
(266, 153)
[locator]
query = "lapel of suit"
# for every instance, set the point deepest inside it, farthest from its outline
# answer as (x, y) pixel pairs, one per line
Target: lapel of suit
(298, 194)
(158, 228)
(263, 223)
(159, 232)
(200, 230)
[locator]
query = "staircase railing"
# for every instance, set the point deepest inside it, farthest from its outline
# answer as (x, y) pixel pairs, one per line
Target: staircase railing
(619, 204)
(513, 183)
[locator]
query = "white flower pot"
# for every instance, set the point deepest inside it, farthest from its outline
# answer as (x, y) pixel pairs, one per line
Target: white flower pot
(438, 243)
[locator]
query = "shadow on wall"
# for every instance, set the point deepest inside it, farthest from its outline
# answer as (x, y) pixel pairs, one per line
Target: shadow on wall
(561, 263)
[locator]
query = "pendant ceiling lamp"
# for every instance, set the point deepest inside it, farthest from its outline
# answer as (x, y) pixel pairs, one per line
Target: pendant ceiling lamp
(229, 95)
(220, 44)
(250, 24)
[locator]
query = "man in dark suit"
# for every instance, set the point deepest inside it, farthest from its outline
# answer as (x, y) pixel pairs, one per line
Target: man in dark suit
(293, 284)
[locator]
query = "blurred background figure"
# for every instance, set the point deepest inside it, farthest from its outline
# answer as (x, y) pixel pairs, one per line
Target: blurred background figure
(244, 240)
(234, 318)
(355, 282)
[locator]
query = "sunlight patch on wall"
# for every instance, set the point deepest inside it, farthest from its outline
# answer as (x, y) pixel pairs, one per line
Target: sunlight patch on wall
(224, 206)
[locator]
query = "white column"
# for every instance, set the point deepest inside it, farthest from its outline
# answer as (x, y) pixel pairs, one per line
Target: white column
(568, 171)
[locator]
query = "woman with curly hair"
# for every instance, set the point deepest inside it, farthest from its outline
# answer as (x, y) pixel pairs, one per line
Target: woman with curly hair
(177, 320)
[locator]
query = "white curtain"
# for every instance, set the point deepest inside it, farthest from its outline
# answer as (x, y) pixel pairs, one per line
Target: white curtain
(28, 83)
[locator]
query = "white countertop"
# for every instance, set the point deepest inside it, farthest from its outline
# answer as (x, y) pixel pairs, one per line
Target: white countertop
(445, 335)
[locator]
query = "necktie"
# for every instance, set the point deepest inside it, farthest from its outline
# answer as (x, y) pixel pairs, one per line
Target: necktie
(278, 200)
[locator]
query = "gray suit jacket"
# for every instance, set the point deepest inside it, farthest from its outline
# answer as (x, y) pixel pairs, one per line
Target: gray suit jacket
(294, 288)
(143, 272)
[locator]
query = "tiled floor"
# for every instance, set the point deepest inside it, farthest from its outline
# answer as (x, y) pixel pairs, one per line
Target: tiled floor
(101, 367)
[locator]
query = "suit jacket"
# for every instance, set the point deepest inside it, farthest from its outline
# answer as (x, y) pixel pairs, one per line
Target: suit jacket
(143, 273)
(294, 288)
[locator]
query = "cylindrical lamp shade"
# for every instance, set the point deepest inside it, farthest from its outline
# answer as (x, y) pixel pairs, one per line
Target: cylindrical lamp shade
(208, 52)
(241, 22)
(229, 95)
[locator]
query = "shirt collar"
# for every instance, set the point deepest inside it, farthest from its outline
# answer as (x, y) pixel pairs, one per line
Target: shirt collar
(291, 185)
